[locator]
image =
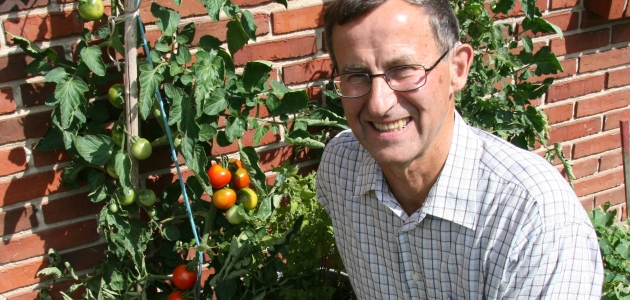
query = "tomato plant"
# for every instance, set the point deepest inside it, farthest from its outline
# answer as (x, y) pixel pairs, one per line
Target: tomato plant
(115, 94)
(141, 149)
(224, 198)
(176, 295)
(240, 179)
(118, 135)
(126, 197)
(219, 176)
(91, 10)
(183, 278)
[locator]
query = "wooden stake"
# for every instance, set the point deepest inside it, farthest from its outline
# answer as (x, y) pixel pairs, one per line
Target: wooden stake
(625, 145)
(131, 86)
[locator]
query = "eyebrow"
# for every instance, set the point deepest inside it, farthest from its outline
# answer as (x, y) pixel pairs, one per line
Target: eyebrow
(398, 61)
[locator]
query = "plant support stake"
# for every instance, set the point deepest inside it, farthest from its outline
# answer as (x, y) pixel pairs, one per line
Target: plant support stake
(131, 85)
(625, 145)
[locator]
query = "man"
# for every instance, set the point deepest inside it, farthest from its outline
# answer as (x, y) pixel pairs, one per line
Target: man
(424, 206)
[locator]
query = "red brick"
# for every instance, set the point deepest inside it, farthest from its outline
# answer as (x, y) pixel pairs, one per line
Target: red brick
(17, 220)
(86, 258)
(574, 130)
(38, 243)
(602, 103)
(580, 42)
(604, 60)
(7, 103)
(611, 120)
(584, 167)
(273, 158)
(285, 21)
(12, 161)
(618, 78)
(13, 67)
(22, 274)
(157, 183)
(559, 113)
(160, 158)
(307, 71)
(188, 9)
(597, 144)
(70, 207)
(555, 4)
(35, 93)
(590, 19)
(608, 9)
(599, 182)
(24, 127)
(278, 49)
(249, 2)
(577, 87)
(29, 187)
(315, 93)
(21, 5)
(46, 158)
(587, 203)
(44, 27)
(614, 196)
(54, 292)
(611, 160)
(621, 33)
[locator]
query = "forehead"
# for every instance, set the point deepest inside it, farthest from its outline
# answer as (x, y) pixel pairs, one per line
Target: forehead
(393, 33)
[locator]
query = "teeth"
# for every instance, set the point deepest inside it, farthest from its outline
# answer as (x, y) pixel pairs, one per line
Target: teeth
(393, 126)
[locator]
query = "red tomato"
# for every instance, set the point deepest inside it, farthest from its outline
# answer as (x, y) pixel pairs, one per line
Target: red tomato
(184, 279)
(224, 198)
(240, 179)
(235, 163)
(219, 176)
(176, 295)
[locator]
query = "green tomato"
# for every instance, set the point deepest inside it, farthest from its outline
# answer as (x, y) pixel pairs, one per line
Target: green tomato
(233, 216)
(248, 198)
(141, 149)
(118, 135)
(151, 211)
(146, 197)
(91, 10)
(116, 95)
(126, 199)
(113, 207)
(111, 169)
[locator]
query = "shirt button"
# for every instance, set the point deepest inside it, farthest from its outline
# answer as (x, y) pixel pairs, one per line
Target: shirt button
(415, 277)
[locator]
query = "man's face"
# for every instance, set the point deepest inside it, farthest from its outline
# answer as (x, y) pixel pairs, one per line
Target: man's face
(396, 33)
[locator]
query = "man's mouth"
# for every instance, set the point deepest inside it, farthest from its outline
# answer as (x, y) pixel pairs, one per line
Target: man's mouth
(393, 126)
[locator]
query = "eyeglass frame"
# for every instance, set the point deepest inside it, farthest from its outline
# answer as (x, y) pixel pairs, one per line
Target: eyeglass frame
(370, 76)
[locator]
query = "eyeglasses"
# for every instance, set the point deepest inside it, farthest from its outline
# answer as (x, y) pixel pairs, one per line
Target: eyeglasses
(402, 79)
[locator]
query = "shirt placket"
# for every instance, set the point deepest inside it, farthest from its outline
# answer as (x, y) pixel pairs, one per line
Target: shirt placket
(411, 264)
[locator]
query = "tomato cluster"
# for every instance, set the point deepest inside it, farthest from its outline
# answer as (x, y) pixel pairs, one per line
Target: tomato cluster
(231, 185)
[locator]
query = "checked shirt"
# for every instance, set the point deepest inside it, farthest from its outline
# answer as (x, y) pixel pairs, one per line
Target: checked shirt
(499, 223)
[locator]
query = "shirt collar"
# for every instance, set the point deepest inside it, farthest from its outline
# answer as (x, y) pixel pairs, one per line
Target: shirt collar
(454, 195)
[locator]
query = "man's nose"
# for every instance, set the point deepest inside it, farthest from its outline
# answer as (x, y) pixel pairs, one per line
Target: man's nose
(381, 98)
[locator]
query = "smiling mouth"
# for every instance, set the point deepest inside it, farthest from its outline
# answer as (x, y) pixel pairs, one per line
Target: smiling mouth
(393, 126)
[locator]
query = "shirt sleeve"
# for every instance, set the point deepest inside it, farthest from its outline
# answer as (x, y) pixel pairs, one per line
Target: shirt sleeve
(558, 262)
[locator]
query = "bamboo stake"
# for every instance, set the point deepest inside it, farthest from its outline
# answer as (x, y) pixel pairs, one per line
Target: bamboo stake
(131, 86)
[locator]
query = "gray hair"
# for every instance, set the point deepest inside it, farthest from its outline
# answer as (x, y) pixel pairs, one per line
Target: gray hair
(442, 19)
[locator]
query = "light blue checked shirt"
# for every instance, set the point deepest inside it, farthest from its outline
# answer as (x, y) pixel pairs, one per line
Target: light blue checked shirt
(499, 223)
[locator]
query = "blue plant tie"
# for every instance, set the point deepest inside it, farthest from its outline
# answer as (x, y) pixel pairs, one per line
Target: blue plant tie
(174, 159)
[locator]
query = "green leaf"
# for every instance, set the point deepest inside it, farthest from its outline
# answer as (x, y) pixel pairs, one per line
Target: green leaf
(216, 104)
(261, 131)
(249, 24)
(52, 140)
(541, 25)
(98, 191)
(283, 2)
(167, 19)
(122, 165)
(214, 8)
(70, 93)
(150, 78)
(188, 125)
(546, 62)
(255, 75)
(197, 162)
(503, 6)
(250, 159)
(306, 142)
(623, 249)
(93, 59)
(293, 102)
(235, 127)
(236, 36)
(206, 132)
(528, 45)
(56, 75)
(95, 149)
(529, 8)
(97, 112)
(187, 34)
(602, 219)
(27, 46)
(209, 43)
(183, 55)
(278, 88)
(38, 66)
(52, 271)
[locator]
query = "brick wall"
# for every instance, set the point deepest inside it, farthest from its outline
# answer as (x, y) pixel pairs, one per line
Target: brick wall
(584, 106)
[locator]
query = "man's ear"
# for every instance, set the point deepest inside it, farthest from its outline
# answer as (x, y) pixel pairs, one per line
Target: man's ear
(460, 65)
